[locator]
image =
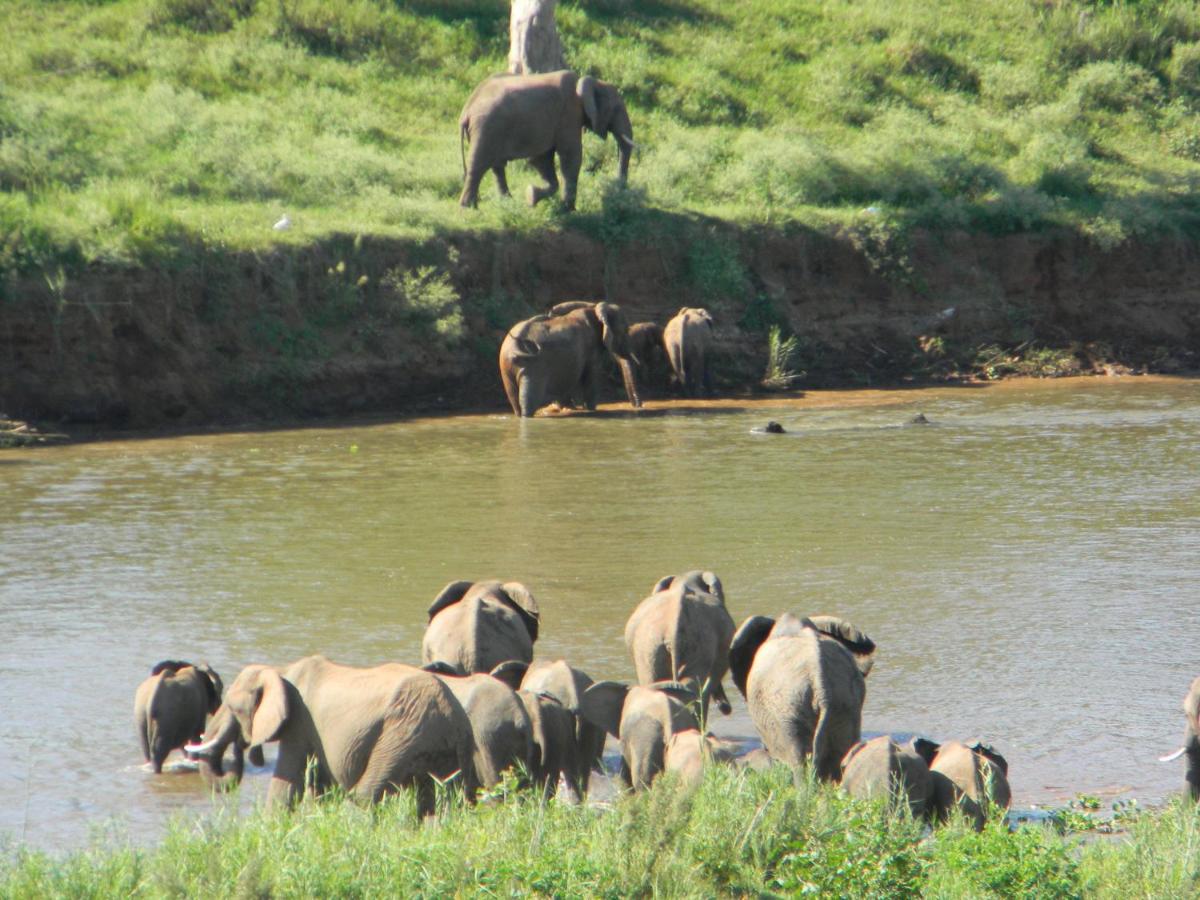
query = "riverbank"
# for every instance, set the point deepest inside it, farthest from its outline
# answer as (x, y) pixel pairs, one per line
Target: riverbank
(739, 833)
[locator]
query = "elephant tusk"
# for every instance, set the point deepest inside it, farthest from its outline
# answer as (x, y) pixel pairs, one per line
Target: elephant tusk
(204, 749)
(627, 141)
(1171, 757)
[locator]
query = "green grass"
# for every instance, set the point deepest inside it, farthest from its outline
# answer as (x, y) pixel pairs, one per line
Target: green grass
(738, 834)
(133, 130)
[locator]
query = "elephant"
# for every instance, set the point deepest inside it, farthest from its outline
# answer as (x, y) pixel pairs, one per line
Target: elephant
(971, 777)
(804, 681)
(170, 707)
(683, 630)
(370, 731)
(1191, 742)
(534, 117)
(556, 752)
(643, 718)
(882, 768)
(559, 358)
(500, 724)
(687, 338)
(476, 625)
(646, 341)
(689, 751)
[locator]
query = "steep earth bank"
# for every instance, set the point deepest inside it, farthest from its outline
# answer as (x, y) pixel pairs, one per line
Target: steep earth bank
(356, 325)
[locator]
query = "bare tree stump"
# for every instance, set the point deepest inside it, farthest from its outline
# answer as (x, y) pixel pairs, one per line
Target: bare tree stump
(533, 38)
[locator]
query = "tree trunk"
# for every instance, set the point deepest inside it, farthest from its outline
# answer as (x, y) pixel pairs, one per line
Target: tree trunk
(533, 38)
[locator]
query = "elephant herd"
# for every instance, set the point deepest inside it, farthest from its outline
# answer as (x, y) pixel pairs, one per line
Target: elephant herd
(559, 357)
(480, 704)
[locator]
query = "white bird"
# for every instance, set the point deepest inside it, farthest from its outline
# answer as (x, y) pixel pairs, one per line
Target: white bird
(283, 224)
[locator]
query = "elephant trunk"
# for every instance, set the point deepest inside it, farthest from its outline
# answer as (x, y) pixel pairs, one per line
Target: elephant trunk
(630, 378)
(210, 752)
(624, 152)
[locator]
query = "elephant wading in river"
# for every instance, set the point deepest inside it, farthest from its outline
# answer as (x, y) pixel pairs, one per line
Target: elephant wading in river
(804, 681)
(369, 731)
(1191, 740)
(687, 338)
(682, 630)
(970, 777)
(476, 625)
(882, 768)
(172, 705)
(559, 358)
(534, 117)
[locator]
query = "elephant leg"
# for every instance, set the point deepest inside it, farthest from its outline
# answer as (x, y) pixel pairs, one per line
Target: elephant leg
(475, 171)
(529, 396)
(510, 389)
(426, 796)
(544, 166)
(570, 158)
(501, 180)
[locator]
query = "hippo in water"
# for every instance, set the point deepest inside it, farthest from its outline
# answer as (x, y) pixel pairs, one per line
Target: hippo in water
(774, 428)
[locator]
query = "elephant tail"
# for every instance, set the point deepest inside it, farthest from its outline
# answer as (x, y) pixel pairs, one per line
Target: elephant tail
(462, 144)
(827, 768)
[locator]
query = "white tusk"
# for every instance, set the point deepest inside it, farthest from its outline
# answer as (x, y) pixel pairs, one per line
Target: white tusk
(1171, 757)
(205, 748)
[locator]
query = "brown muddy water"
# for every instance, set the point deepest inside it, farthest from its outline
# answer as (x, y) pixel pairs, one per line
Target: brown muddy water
(1028, 565)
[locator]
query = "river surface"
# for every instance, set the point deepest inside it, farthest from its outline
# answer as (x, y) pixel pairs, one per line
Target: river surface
(1028, 564)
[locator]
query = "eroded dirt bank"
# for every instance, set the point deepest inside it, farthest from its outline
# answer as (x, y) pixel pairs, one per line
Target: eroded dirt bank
(354, 326)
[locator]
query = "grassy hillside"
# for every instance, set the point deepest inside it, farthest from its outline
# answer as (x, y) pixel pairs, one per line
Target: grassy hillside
(132, 128)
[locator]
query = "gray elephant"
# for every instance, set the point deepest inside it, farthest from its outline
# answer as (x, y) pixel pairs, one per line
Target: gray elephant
(369, 731)
(687, 338)
(1191, 743)
(556, 752)
(882, 768)
(804, 681)
(171, 707)
(688, 752)
(971, 777)
(476, 625)
(643, 718)
(534, 117)
(646, 342)
(559, 358)
(682, 630)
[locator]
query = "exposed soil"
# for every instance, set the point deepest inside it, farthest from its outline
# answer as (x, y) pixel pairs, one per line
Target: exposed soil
(256, 338)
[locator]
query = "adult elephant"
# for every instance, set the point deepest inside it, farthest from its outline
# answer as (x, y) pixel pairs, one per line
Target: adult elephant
(682, 630)
(171, 707)
(900, 773)
(687, 338)
(476, 625)
(804, 681)
(534, 117)
(369, 731)
(559, 358)
(1191, 743)
(970, 777)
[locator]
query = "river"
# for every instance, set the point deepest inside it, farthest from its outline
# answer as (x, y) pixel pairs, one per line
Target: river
(1028, 564)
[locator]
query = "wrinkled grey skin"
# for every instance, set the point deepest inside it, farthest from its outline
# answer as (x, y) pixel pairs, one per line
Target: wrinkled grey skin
(369, 731)
(500, 724)
(534, 117)
(971, 777)
(1191, 743)
(688, 752)
(882, 768)
(556, 752)
(682, 630)
(804, 681)
(172, 705)
(476, 625)
(643, 718)
(687, 339)
(559, 358)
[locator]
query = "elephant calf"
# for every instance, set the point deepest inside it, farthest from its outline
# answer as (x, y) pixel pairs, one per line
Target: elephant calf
(172, 705)
(882, 768)
(1191, 743)
(970, 777)
(474, 626)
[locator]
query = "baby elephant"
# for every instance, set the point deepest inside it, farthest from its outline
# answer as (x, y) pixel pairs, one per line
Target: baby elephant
(172, 705)
(970, 776)
(882, 768)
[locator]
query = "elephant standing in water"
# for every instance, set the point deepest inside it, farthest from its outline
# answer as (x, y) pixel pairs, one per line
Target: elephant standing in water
(559, 358)
(476, 625)
(534, 117)
(369, 731)
(682, 630)
(1191, 742)
(171, 707)
(971, 777)
(687, 338)
(646, 342)
(882, 768)
(804, 681)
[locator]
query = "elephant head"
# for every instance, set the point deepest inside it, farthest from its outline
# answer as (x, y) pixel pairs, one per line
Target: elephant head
(475, 626)
(604, 113)
(695, 580)
(256, 708)
(171, 706)
(1191, 740)
(757, 629)
(900, 773)
(970, 776)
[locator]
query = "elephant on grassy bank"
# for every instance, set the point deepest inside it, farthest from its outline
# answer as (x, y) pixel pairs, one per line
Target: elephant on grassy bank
(970, 777)
(688, 752)
(687, 339)
(170, 707)
(882, 768)
(643, 718)
(559, 358)
(804, 681)
(476, 625)
(534, 117)
(1191, 742)
(369, 731)
(682, 630)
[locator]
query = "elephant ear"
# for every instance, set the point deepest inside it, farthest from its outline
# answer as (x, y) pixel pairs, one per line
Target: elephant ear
(925, 748)
(662, 584)
(861, 647)
(712, 584)
(745, 645)
(212, 686)
(851, 753)
(519, 598)
(585, 88)
(569, 306)
(170, 666)
(602, 705)
(614, 333)
(451, 594)
(686, 692)
(440, 667)
(272, 709)
(511, 672)
(986, 750)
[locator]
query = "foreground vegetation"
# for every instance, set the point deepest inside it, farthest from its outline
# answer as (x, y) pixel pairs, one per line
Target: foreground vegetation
(738, 834)
(132, 129)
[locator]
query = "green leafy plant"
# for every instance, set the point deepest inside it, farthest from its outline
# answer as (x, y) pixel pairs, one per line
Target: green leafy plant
(781, 354)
